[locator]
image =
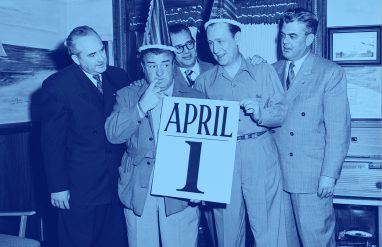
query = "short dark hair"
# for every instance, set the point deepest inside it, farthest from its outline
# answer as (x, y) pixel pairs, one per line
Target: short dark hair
(155, 51)
(77, 32)
(232, 28)
(177, 28)
(301, 15)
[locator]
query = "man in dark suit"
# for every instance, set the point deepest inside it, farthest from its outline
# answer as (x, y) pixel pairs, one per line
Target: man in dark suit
(81, 165)
(314, 138)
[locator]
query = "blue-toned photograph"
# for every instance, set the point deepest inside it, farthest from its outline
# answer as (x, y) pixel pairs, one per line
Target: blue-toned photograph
(190, 123)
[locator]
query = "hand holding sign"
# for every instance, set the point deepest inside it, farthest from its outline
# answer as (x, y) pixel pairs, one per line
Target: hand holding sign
(151, 98)
(251, 107)
(196, 149)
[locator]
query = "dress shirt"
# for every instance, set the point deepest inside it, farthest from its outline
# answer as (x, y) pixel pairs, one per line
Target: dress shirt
(297, 66)
(90, 76)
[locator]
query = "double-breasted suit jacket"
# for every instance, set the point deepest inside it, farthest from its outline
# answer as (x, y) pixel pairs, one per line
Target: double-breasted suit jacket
(77, 155)
(314, 137)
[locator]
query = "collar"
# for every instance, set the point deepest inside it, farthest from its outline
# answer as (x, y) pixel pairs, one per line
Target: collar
(90, 76)
(244, 66)
(195, 69)
(297, 64)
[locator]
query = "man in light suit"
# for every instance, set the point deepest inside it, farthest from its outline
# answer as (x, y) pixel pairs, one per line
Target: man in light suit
(81, 165)
(314, 138)
(152, 221)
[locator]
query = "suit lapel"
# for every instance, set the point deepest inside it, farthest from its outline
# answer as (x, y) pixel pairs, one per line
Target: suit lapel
(302, 78)
(178, 77)
(180, 89)
(108, 93)
(89, 92)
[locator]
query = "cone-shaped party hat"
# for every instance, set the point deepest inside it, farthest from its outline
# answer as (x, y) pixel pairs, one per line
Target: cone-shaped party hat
(156, 31)
(223, 11)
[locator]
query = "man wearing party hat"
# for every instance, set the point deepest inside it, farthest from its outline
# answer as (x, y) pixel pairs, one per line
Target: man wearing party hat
(152, 221)
(256, 186)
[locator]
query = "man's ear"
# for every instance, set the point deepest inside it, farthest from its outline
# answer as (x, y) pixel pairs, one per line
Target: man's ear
(75, 59)
(237, 37)
(310, 39)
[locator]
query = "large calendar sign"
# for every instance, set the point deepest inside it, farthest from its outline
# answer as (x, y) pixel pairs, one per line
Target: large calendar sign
(196, 149)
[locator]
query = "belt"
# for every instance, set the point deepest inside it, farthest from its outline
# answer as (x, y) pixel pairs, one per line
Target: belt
(250, 135)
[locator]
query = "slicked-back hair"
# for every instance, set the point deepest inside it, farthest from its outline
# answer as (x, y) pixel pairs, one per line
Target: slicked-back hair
(232, 28)
(301, 15)
(155, 51)
(81, 31)
(177, 28)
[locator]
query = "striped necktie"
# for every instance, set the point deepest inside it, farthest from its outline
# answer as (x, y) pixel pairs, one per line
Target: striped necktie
(189, 79)
(290, 77)
(99, 83)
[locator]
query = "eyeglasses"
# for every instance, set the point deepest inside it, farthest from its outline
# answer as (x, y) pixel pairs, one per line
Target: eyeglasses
(189, 44)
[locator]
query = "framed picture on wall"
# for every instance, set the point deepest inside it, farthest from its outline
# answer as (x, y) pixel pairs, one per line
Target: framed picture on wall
(364, 88)
(23, 70)
(359, 45)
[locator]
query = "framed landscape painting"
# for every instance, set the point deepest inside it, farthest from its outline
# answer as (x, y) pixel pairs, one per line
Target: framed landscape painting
(355, 45)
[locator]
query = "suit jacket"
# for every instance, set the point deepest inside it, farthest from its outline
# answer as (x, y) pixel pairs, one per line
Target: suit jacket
(314, 138)
(203, 67)
(125, 125)
(76, 153)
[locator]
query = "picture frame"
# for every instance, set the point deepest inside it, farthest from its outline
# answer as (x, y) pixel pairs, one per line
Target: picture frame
(357, 45)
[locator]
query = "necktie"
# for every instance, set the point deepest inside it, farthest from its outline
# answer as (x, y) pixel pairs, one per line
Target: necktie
(99, 83)
(189, 79)
(290, 77)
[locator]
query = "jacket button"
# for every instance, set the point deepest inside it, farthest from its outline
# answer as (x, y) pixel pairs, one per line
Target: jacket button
(150, 139)
(148, 162)
(291, 154)
(303, 114)
(272, 131)
(139, 121)
(291, 133)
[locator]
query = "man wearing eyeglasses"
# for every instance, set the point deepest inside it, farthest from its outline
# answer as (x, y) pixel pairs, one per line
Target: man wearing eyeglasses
(190, 67)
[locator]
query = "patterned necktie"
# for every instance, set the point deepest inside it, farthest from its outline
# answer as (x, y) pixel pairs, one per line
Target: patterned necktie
(189, 79)
(99, 83)
(290, 77)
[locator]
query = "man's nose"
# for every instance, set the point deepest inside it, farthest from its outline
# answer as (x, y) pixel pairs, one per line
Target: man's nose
(101, 57)
(213, 48)
(160, 71)
(186, 50)
(285, 40)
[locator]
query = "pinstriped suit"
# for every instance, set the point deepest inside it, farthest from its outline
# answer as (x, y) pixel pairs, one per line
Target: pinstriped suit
(313, 141)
